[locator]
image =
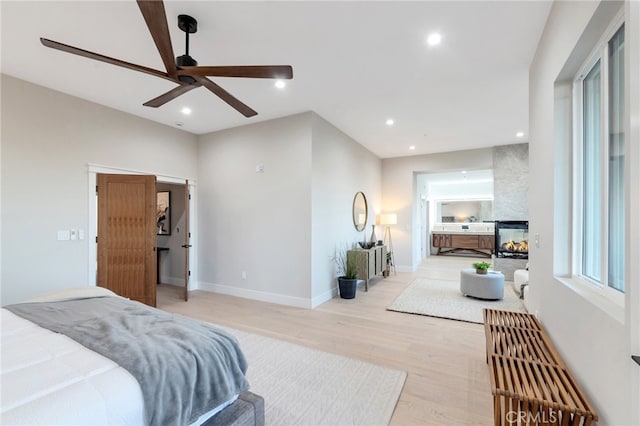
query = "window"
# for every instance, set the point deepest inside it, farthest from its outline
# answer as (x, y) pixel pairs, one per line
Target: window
(600, 212)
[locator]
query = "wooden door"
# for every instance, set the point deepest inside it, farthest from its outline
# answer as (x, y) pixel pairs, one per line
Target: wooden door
(127, 236)
(187, 242)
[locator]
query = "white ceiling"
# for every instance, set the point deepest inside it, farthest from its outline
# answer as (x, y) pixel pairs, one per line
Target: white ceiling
(460, 177)
(355, 63)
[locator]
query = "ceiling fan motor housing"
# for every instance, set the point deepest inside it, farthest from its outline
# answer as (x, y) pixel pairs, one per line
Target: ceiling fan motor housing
(186, 61)
(189, 25)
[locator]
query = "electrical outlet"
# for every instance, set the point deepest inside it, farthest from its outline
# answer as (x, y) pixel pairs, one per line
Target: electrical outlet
(244, 275)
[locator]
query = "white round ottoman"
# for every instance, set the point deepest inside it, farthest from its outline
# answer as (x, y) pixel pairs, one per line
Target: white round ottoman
(489, 286)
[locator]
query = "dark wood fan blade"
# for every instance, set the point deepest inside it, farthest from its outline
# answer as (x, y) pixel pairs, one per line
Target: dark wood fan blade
(246, 71)
(98, 57)
(227, 97)
(156, 19)
(170, 95)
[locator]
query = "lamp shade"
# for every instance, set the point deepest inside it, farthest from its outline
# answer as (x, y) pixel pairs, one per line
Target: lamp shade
(387, 219)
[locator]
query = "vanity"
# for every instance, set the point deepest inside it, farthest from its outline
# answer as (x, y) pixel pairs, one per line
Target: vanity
(477, 238)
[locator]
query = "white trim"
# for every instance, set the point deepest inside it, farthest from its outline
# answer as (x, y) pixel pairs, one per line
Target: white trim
(93, 170)
(599, 50)
(175, 281)
(262, 296)
(406, 268)
(324, 297)
(98, 168)
(608, 300)
(93, 229)
(577, 186)
(600, 53)
(632, 147)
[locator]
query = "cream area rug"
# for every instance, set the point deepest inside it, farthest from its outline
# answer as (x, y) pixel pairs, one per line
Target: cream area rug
(303, 386)
(441, 298)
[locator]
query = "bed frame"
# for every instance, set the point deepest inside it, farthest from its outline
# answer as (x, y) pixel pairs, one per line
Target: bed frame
(247, 410)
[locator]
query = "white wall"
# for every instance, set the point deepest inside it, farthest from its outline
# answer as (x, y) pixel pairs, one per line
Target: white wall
(282, 226)
(341, 167)
(401, 194)
(48, 139)
(257, 223)
(595, 344)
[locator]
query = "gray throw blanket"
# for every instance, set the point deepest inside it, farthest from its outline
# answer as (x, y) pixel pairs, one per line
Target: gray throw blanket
(185, 367)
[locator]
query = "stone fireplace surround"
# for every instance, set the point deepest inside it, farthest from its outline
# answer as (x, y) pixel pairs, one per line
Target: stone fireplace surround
(510, 195)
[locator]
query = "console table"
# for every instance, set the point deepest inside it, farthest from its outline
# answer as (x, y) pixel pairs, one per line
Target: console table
(370, 262)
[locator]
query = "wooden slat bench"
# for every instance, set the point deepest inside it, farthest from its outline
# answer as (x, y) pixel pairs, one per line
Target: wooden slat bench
(530, 383)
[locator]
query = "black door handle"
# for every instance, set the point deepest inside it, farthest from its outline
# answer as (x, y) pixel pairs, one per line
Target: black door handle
(636, 358)
(186, 245)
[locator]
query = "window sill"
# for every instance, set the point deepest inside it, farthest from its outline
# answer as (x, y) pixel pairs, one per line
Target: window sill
(607, 300)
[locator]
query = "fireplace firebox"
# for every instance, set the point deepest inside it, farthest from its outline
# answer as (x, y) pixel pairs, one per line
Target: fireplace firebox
(512, 239)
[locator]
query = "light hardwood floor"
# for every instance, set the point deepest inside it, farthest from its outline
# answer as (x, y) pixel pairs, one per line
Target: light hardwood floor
(448, 379)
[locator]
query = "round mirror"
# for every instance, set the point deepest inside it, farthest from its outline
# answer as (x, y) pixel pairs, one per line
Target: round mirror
(360, 211)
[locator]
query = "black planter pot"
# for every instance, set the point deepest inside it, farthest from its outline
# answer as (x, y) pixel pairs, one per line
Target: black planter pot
(347, 287)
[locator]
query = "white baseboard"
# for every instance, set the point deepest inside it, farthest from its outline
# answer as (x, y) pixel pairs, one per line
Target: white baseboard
(324, 297)
(173, 281)
(262, 296)
(405, 268)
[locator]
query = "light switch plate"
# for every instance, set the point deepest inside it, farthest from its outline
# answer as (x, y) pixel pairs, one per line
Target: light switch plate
(63, 235)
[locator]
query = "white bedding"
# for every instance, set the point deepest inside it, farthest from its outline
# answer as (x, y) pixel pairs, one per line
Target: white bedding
(48, 378)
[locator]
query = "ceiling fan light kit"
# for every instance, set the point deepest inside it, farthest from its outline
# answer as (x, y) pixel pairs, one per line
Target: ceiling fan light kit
(184, 69)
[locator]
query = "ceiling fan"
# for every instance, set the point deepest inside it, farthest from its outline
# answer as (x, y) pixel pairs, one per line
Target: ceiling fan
(183, 70)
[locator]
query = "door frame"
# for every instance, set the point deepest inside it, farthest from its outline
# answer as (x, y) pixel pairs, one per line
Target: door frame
(93, 170)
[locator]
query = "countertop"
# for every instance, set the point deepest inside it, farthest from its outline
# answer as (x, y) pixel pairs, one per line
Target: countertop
(464, 231)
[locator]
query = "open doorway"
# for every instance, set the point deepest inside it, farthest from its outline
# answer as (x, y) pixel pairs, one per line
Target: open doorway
(181, 226)
(172, 225)
(452, 202)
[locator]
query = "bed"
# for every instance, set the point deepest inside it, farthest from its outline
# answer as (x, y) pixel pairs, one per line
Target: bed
(88, 356)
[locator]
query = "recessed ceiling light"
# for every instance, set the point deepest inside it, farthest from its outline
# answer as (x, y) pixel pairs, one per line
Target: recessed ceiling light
(390, 122)
(519, 134)
(434, 39)
(280, 84)
(412, 147)
(186, 110)
(464, 172)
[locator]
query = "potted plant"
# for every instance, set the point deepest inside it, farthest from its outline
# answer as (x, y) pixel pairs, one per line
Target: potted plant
(387, 270)
(481, 267)
(347, 270)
